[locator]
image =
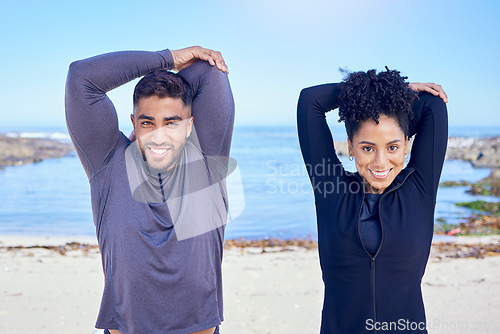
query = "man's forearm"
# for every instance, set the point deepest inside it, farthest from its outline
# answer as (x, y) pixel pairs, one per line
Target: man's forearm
(110, 70)
(90, 115)
(213, 107)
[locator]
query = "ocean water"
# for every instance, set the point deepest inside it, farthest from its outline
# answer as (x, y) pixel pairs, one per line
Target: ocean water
(51, 197)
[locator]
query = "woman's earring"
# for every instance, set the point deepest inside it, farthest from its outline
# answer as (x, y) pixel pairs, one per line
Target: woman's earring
(351, 158)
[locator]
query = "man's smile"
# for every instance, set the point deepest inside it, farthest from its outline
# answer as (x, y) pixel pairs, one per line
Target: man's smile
(158, 152)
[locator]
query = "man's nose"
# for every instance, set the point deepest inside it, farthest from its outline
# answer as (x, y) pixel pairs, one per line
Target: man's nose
(160, 135)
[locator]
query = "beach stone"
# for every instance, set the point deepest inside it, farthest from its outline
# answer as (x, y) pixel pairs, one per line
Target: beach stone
(480, 152)
(19, 151)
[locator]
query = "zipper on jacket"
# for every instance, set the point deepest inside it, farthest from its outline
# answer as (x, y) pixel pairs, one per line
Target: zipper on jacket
(372, 263)
(373, 291)
(161, 188)
(372, 258)
(380, 246)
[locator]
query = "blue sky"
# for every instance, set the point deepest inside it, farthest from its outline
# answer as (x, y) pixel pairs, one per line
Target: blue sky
(273, 49)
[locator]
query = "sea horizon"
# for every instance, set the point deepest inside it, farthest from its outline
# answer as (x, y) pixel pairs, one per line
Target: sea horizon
(478, 131)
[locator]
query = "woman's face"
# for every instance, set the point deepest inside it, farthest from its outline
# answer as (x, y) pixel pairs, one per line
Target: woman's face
(379, 151)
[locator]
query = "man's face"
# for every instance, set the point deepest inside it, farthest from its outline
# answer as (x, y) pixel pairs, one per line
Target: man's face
(161, 126)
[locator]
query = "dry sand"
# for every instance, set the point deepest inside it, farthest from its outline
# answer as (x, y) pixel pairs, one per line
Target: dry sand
(42, 291)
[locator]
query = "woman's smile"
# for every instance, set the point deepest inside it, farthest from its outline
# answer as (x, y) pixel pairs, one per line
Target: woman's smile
(380, 174)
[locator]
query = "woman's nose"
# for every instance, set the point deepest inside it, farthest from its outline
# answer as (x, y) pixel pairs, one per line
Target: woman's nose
(381, 160)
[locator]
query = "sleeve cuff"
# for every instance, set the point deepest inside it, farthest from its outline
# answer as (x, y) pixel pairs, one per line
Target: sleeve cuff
(168, 60)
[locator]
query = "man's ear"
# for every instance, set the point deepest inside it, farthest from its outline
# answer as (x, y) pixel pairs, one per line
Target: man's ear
(190, 126)
(132, 118)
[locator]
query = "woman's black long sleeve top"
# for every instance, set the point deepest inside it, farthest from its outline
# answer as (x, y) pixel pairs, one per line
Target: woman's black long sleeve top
(377, 293)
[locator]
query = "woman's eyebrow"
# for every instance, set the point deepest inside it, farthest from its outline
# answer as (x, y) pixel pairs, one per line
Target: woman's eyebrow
(370, 143)
(366, 142)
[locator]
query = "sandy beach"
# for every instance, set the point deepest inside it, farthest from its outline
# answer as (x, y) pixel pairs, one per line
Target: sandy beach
(57, 289)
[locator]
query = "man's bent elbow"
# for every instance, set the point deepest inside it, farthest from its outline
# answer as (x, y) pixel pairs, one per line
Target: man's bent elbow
(75, 70)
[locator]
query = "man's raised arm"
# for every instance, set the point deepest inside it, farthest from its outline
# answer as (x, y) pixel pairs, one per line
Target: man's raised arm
(90, 115)
(213, 104)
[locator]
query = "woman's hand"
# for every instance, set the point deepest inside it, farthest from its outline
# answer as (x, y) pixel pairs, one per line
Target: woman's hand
(430, 88)
(187, 56)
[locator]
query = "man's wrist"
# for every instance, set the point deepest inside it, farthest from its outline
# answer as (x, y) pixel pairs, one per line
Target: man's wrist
(168, 58)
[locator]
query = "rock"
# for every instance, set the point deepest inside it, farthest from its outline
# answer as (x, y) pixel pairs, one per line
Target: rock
(20, 151)
(341, 148)
(481, 152)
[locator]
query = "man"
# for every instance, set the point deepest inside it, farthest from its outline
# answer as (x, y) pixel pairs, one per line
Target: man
(159, 203)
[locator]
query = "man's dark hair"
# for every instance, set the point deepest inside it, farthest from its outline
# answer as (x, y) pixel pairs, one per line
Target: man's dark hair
(367, 95)
(163, 83)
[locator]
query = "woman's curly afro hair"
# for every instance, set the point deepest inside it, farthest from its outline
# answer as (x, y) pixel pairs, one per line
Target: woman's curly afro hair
(370, 94)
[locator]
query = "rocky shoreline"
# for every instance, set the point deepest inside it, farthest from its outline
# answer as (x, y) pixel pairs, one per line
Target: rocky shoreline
(484, 152)
(15, 151)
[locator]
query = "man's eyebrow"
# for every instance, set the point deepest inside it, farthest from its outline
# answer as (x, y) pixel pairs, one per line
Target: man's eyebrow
(146, 117)
(173, 118)
(166, 119)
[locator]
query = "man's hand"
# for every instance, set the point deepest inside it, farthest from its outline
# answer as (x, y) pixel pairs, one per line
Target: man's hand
(430, 88)
(187, 56)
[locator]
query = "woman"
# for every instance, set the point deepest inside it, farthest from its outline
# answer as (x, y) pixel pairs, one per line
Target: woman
(375, 226)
